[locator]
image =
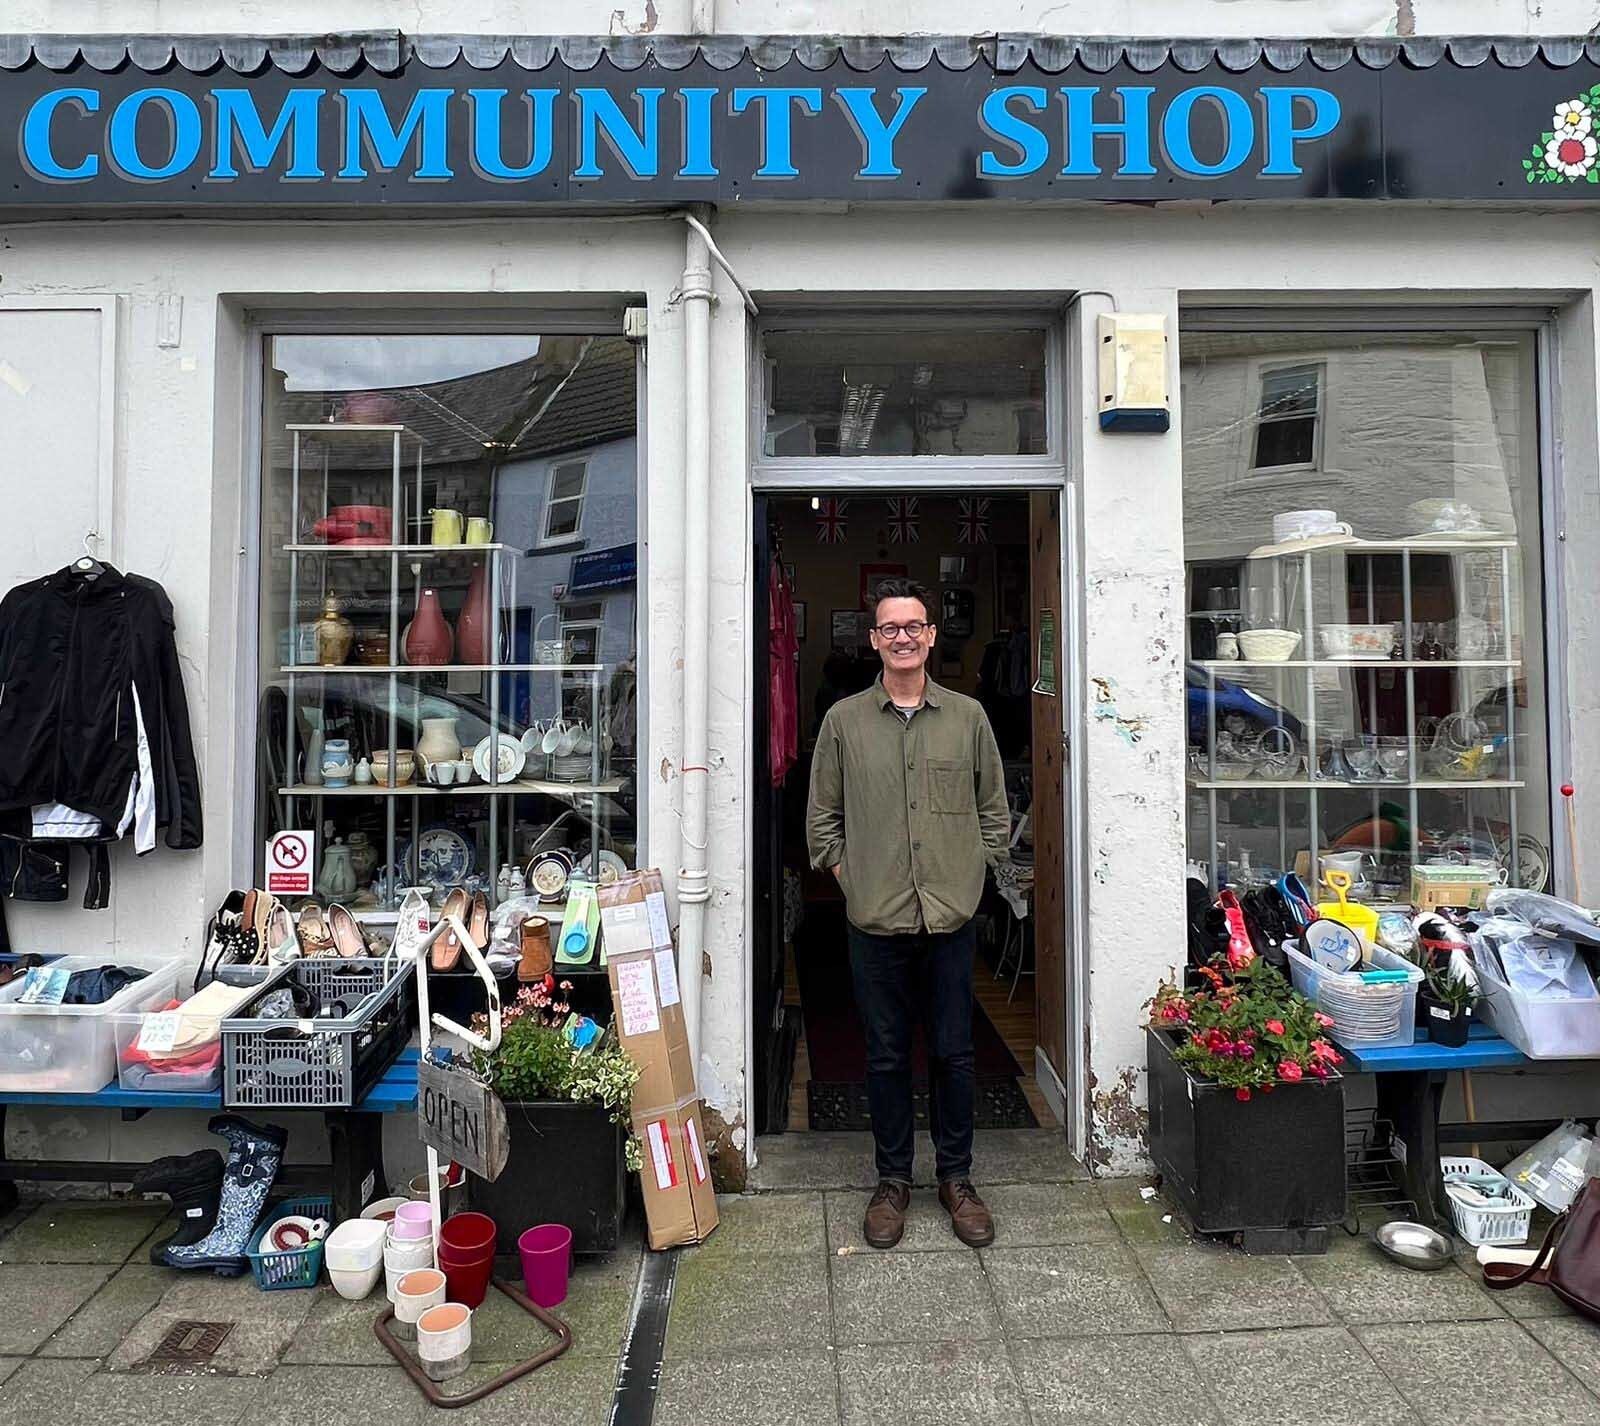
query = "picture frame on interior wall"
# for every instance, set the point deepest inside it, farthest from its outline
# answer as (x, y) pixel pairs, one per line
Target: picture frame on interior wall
(800, 619)
(872, 575)
(848, 628)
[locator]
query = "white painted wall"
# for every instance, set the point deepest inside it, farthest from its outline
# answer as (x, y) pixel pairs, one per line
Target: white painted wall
(183, 453)
(778, 17)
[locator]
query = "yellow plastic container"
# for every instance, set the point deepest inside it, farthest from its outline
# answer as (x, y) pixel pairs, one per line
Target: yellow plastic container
(1363, 920)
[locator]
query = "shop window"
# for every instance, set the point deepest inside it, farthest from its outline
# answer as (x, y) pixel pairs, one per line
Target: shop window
(563, 517)
(875, 393)
(1287, 418)
(413, 607)
(1366, 667)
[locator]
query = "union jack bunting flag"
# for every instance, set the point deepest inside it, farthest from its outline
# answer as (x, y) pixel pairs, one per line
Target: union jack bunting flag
(972, 522)
(831, 521)
(903, 520)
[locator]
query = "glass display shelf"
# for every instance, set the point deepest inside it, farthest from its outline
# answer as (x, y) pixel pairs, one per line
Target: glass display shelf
(429, 549)
(347, 669)
(1246, 784)
(1221, 664)
(515, 787)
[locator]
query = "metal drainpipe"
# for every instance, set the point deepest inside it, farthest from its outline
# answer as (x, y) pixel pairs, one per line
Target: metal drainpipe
(694, 886)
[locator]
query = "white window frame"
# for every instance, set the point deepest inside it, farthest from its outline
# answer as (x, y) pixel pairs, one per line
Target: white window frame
(1318, 417)
(546, 539)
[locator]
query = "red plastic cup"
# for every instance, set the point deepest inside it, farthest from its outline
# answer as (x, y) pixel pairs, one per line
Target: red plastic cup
(546, 1251)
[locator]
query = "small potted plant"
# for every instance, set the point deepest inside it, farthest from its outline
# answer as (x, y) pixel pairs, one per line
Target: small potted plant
(1448, 1000)
(568, 1108)
(1247, 1106)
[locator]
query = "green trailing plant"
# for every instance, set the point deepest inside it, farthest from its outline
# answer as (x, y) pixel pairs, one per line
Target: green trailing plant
(537, 1060)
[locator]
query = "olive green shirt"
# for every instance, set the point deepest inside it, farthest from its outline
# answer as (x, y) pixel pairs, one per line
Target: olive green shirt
(910, 812)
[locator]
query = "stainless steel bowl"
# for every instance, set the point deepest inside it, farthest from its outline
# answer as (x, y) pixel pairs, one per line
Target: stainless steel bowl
(1413, 1245)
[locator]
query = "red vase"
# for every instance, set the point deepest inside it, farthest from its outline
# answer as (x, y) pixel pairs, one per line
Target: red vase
(429, 640)
(473, 641)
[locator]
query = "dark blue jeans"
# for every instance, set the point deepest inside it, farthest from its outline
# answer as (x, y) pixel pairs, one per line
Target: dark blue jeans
(899, 982)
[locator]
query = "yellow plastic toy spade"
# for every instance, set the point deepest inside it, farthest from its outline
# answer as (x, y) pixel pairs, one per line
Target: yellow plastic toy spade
(1363, 920)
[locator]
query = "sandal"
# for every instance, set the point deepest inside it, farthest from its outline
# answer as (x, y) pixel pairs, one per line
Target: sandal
(312, 930)
(347, 938)
(447, 949)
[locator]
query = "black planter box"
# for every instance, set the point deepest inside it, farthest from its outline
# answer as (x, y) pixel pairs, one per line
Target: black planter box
(565, 1166)
(1271, 1169)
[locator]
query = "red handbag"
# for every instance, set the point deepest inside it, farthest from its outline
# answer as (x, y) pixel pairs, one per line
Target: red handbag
(1568, 1262)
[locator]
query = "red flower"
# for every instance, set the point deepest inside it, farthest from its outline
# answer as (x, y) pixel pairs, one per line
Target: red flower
(1326, 1021)
(1290, 1070)
(1320, 1070)
(1322, 1050)
(1275, 1026)
(549, 982)
(1240, 956)
(1241, 1093)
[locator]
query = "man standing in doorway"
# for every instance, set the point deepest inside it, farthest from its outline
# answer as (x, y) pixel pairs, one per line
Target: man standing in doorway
(907, 807)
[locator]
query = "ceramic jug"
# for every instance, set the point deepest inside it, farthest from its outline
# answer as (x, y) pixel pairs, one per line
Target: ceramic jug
(337, 765)
(479, 530)
(439, 743)
(428, 639)
(447, 527)
(338, 878)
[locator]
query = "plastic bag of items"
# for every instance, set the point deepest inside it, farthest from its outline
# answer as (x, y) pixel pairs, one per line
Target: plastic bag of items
(1556, 1168)
(1549, 914)
(1538, 989)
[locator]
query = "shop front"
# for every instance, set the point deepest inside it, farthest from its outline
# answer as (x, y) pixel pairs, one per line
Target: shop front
(519, 429)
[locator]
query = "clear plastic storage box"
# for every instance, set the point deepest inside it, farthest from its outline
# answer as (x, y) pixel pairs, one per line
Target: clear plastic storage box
(1371, 1016)
(1564, 1026)
(72, 1049)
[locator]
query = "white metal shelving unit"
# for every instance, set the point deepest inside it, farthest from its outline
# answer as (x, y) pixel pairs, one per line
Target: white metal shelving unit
(311, 442)
(1292, 577)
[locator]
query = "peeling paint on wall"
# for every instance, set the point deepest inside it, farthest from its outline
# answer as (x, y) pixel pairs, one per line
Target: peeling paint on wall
(1118, 1123)
(1129, 729)
(725, 1140)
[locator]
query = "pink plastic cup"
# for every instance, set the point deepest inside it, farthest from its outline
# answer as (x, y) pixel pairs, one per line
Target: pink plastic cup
(546, 1251)
(413, 1220)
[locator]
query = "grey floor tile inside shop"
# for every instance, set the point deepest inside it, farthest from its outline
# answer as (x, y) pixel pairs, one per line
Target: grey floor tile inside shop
(1094, 1306)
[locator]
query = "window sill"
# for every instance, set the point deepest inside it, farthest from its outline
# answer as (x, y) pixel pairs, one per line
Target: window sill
(563, 545)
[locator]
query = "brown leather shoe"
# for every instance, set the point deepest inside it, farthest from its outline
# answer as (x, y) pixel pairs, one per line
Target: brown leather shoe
(968, 1216)
(885, 1221)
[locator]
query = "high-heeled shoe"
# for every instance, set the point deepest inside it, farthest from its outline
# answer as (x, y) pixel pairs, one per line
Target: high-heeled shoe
(313, 933)
(447, 949)
(478, 923)
(347, 938)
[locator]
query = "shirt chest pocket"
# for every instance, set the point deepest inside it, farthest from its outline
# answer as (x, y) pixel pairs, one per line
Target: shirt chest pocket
(950, 786)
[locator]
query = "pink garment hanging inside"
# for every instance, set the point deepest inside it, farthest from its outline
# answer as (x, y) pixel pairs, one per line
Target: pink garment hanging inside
(783, 645)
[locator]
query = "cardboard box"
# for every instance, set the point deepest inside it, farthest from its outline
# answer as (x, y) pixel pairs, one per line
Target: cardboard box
(641, 964)
(680, 1204)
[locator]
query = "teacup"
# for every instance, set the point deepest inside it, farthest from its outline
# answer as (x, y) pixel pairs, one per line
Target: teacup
(584, 742)
(442, 774)
(551, 742)
(463, 770)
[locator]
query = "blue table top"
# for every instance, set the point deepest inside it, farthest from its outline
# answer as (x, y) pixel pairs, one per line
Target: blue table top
(1484, 1050)
(395, 1093)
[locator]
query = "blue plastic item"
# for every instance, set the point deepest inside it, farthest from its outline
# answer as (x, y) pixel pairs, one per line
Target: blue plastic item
(300, 1267)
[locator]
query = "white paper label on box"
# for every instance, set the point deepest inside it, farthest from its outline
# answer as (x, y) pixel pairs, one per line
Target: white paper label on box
(694, 1150)
(667, 976)
(636, 998)
(655, 903)
(159, 1033)
(661, 1154)
(627, 929)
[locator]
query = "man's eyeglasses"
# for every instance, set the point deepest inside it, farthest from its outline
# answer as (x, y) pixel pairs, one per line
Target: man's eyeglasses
(912, 630)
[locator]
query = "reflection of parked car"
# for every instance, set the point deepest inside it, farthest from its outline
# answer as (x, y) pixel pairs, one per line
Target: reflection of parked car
(1236, 704)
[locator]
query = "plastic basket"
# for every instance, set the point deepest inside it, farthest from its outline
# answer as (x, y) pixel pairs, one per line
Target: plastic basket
(326, 1062)
(298, 1268)
(1495, 1223)
(1371, 1016)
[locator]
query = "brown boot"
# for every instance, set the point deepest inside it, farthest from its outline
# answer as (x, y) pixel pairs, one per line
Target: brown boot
(536, 957)
(970, 1219)
(885, 1221)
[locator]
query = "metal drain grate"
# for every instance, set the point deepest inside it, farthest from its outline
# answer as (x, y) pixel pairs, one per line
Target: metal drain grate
(190, 1343)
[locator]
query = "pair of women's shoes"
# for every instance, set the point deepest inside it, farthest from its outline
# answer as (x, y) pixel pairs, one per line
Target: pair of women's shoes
(472, 910)
(336, 933)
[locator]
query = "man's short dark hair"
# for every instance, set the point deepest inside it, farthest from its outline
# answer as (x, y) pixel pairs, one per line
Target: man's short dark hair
(899, 587)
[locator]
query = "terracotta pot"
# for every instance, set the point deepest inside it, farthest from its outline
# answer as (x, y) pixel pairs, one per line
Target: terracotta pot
(473, 639)
(429, 640)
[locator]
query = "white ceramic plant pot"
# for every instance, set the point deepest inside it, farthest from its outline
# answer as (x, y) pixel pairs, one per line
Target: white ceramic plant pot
(444, 1340)
(414, 1294)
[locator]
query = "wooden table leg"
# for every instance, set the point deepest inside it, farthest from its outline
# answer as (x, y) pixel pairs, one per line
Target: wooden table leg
(1411, 1100)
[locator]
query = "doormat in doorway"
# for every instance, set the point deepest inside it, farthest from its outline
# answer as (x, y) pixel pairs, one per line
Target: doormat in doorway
(835, 1104)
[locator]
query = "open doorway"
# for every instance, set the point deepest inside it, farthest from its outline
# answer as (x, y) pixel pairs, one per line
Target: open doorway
(993, 563)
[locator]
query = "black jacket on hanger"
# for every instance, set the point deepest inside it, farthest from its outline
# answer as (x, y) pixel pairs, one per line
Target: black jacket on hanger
(88, 672)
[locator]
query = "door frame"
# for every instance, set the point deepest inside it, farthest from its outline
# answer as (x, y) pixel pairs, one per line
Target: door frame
(997, 479)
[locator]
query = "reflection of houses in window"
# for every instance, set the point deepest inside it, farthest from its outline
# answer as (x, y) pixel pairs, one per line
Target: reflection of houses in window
(1288, 418)
(563, 514)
